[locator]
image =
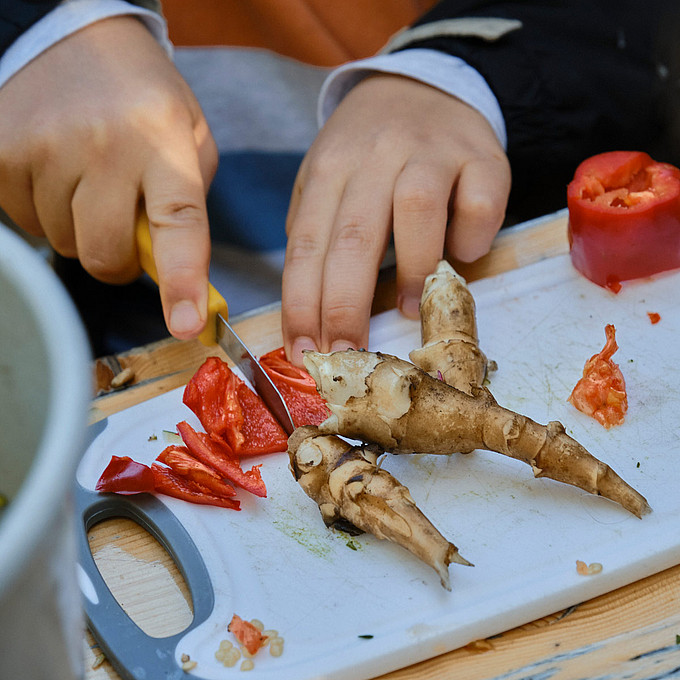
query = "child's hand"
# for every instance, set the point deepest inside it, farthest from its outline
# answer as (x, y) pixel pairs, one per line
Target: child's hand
(396, 156)
(99, 121)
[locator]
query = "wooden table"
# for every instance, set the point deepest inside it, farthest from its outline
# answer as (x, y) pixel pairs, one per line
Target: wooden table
(632, 632)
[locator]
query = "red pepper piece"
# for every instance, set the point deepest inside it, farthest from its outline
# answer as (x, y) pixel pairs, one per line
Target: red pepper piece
(244, 631)
(213, 453)
(297, 387)
(654, 317)
(231, 412)
(601, 392)
(211, 395)
(180, 461)
(126, 476)
(624, 217)
(171, 484)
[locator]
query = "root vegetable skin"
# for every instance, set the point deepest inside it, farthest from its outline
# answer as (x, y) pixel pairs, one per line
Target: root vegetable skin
(382, 399)
(450, 342)
(347, 484)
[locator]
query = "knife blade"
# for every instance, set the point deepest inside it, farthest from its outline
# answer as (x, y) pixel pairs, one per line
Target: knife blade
(219, 331)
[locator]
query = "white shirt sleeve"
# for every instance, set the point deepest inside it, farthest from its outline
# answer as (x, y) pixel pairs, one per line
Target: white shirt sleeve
(68, 17)
(443, 71)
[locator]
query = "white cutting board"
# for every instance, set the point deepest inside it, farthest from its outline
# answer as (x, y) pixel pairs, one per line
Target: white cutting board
(321, 590)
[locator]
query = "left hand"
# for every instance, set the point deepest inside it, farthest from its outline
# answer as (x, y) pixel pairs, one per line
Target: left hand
(396, 156)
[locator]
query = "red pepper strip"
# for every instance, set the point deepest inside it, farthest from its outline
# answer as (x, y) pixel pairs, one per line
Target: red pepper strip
(180, 461)
(624, 217)
(249, 636)
(213, 453)
(126, 476)
(171, 484)
(261, 431)
(601, 392)
(231, 412)
(297, 387)
(211, 395)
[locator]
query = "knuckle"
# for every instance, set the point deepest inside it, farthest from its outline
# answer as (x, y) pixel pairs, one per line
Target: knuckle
(353, 234)
(303, 247)
(175, 212)
(416, 197)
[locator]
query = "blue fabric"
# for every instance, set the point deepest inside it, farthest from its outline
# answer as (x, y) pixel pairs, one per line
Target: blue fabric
(249, 197)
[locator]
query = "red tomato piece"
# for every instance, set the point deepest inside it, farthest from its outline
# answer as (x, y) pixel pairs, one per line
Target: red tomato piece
(213, 453)
(601, 392)
(170, 483)
(297, 387)
(244, 631)
(180, 461)
(624, 217)
(126, 476)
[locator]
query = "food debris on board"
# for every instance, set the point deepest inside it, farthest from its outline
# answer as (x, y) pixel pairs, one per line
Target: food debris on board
(251, 637)
(588, 569)
(654, 317)
(601, 391)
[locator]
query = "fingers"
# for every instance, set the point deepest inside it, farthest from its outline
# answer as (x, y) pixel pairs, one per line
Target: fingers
(481, 198)
(175, 203)
(313, 205)
(421, 198)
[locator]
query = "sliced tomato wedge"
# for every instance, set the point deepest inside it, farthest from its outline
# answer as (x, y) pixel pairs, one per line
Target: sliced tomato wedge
(246, 633)
(212, 452)
(297, 387)
(601, 392)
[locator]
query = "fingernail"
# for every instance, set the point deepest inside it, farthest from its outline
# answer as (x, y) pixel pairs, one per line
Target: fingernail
(184, 318)
(299, 346)
(342, 345)
(409, 307)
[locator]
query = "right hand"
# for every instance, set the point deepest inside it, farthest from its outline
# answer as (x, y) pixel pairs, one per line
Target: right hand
(95, 123)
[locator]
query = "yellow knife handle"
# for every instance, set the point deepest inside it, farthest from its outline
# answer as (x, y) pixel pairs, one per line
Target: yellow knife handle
(216, 303)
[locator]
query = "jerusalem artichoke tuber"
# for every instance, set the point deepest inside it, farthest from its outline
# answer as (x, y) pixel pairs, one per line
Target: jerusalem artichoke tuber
(450, 344)
(347, 484)
(382, 399)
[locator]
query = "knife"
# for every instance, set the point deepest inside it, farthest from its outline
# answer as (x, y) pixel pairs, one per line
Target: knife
(219, 331)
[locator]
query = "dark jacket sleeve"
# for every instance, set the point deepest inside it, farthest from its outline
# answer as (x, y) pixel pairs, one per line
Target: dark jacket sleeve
(577, 78)
(16, 16)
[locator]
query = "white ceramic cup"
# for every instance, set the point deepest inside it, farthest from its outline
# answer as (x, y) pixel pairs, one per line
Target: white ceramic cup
(45, 391)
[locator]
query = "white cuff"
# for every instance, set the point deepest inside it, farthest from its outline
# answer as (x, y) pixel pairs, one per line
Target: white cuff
(69, 17)
(443, 71)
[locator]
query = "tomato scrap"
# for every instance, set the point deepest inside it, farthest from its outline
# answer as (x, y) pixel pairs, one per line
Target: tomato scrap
(601, 392)
(654, 317)
(247, 634)
(624, 217)
(231, 412)
(297, 387)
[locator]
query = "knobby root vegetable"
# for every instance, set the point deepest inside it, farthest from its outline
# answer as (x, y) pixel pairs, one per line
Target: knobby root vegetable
(450, 343)
(349, 486)
(382, 399)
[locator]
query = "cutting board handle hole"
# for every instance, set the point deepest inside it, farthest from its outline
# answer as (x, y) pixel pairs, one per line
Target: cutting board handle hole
(142, 576)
